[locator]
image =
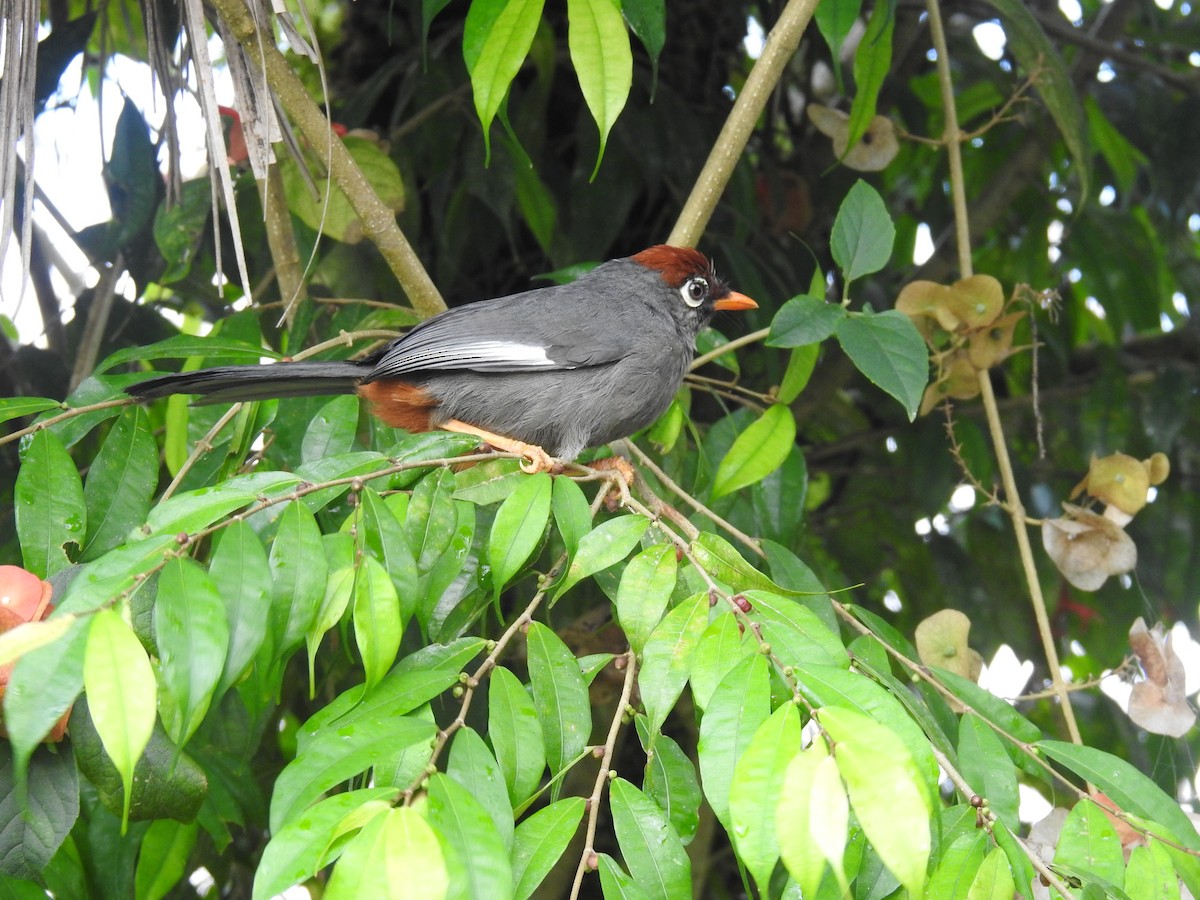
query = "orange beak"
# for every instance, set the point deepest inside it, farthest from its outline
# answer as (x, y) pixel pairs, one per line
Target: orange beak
(734, 300)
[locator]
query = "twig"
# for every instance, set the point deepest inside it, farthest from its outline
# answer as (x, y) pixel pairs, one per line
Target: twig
(70, 413)
(996, 429)
(729, 347)
(97, 320)
(587, 859)
(204, 445)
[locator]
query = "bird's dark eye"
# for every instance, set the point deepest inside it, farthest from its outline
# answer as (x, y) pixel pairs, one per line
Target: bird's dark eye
(694, 290)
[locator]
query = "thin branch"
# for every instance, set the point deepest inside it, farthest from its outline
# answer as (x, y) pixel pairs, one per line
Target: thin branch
(729, 347)
(587, 859)
(70, 413)
(203, 446)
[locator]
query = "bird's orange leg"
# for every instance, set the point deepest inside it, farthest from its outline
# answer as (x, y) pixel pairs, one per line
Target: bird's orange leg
(535, 458)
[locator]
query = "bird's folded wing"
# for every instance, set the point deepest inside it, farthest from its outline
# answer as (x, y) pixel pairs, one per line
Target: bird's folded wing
(500, 340)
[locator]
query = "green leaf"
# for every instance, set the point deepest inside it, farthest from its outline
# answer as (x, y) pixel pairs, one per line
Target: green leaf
(298, 573)
(667, 657)
(603, 61)
(1018, 863)
(648, 843)
(835, 18)
(1129, 788)
(669, 778)
(644, 592)
(496, 39)
(1150, 875)
(242, 576)
(377, 622)
(39, 805)
(1038, 56)
(489, 482)
(431, 518)
(721, 647)
(721, 560)
(572, 514)
(540, 842)
(605, 545)
(516, 735)
(1089, 843)
(758, 451)
(473, 766)
(863, 232)
(986, 766)
(338, 753)
(162, 860)
(121, 694)
(178, 226)
(754, 794)
(559, 695)
(305, 845)
(993, 880)
(120, 482)
(194, 510)
(992, 708)
(48, 505)
(41, 688)
(886, 792)
(795, 632)
(648, 20)
(16, 407)
(801, 363)
(741, 703)
(804, 320)
(185, 346)
(517, 529)
(812, 817)
(387, 541)
(476, 858)
(192, 634)
(958, 864)
(888, 349)
(615, 883)
(396, 856)
(332, 430)
(872, 60)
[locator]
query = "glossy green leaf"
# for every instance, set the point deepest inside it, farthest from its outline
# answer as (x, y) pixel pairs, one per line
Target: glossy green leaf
(804, 320)
(516, 735)
(1037, 55)
(721, 560)
(644, 592)
(992, 708)
(192, 634)
(758, 451)
(242, 576)
(340, 752)
(121, 694)
(41, 687)
(958, 863)
(193, 510)
(667, 658)
(540, 842)
(396, 856)
(298, 572)
(1088, 842)
(863, 232)
(739, 705)
(811, 817)
(303, 847)
(1149, 874)
(331, 468)
(477, 860)
(334, 215)
(722, 646)
(669, 779)
(39, 806)
(16, 407)
(986, 766)
(1018, 863)
(757, 781)
(377, 622)
(993, 880)
(872, 61)
(795, 632)
(801, 363)
(517, 529)
(886, 792)
(431, 518)
(615, 882)
(48, 504)
(162, 860)
(120, 482)
(473, 766)
(572, 514)
(605, 545)
(651, 848)
(559, 695)
(834, 19)
(386, 540)
(496, 40)
(603, 61)
(888, 349)
(331, 431)
(489, 482)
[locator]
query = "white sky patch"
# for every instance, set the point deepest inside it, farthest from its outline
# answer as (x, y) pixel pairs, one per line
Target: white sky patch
(991, 39)
(1033, 807)
(922, 245)
(892, 601)
(1180, 302)
(1006, 676)
(962, 499)
(1072, 10)
(1095, 308)
(756, 38)
(1107, 195)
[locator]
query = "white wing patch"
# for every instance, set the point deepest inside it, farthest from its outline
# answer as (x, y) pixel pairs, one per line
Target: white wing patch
(479, 354)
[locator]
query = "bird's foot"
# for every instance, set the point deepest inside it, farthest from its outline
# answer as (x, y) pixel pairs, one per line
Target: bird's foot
(533, 458)
(621, 477)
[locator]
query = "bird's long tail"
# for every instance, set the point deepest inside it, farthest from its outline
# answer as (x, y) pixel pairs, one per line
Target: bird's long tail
(229, 384)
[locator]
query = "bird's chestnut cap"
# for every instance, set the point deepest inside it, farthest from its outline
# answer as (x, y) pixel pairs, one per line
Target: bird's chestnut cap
(678, 264)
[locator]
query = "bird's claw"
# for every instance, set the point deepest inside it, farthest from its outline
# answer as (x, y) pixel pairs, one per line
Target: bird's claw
(535, 459)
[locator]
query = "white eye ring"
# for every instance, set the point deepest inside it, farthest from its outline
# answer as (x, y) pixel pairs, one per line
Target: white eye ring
(694, 290)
